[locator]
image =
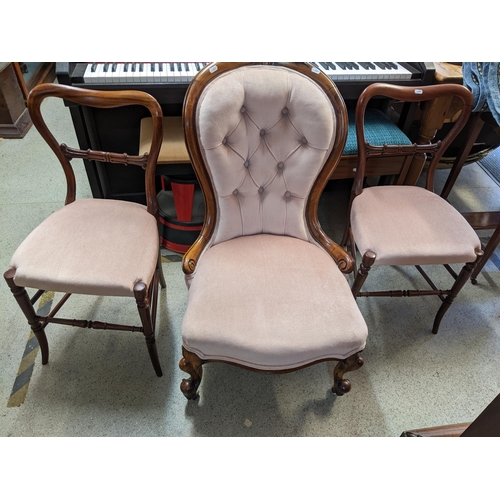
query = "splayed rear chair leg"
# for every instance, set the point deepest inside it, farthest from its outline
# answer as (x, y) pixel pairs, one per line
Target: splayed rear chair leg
(457, 286)
(142, 300)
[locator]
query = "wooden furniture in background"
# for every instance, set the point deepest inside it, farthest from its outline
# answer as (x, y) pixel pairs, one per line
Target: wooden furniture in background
(436, 113)
(487, 424)
(478, 220)
(447, 110)
(15, 120)
(180, 201)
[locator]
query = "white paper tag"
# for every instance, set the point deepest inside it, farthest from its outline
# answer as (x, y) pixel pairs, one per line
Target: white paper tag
(419, 91)
(213, 68)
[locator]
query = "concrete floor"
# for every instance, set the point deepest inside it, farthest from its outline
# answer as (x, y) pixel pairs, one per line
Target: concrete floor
(102, 383)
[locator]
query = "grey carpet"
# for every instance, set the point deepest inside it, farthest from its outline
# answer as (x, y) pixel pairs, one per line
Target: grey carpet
(491, 164)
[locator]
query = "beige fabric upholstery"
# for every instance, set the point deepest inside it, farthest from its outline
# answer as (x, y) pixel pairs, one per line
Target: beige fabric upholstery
(265, 132)
(409, 225)
(272, 303)
(70, 244)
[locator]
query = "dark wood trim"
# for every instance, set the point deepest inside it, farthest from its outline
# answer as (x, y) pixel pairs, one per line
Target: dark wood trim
(100, 99)
(202, 79)
(411, 94)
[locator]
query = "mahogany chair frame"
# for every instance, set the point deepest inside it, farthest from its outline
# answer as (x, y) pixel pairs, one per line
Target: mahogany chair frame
(430, 151)
(190, 362)
(146, 294)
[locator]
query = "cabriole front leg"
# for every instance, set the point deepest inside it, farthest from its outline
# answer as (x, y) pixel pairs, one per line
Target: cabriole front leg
(192, 365)
(341, 385)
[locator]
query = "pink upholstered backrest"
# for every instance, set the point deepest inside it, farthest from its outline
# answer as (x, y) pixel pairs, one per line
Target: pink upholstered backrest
(265, 133)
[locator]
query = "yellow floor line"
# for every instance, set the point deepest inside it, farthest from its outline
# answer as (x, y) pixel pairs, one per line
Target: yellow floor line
(22, 382)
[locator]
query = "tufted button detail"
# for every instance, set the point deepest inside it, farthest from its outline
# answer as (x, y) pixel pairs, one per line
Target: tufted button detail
(281, 165)
(303, 140)
(288, 194)
(224, 141)
(243, 109)
(284, 111)
(262, 132)
(261, 190)
(246, 164)
(235, 192)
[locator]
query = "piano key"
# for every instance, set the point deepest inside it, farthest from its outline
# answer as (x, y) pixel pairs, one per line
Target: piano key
(351, 71)
(191, 71)
(90, 74)
(105, 73)
(161, 74)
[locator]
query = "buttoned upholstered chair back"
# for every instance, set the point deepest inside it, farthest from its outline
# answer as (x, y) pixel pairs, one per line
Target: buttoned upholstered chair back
(264, 140)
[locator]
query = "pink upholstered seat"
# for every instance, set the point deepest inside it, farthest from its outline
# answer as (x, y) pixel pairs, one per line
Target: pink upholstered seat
(266, 285)
(408, 225)
(90, 246)
(271, 303)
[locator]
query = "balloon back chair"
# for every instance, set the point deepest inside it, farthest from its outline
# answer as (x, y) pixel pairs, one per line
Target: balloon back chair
(398, 225)
(267, 289)
(75, 250)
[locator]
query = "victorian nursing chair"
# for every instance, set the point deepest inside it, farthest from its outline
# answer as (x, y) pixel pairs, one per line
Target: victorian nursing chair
(399, 225)
(75, 250)
(267, 289)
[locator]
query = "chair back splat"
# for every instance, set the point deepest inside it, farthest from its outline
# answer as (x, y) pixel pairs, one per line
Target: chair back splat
(74, 249)
(408, 94)
(266, 284)
(398, 225)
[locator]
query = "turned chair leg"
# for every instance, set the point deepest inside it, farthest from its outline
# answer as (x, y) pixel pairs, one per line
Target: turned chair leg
(368, 260)
(26, 306)
(488, 252)
(163, 284)
(192, 365)
(143, 305)
(457, 286)
(341, 385)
